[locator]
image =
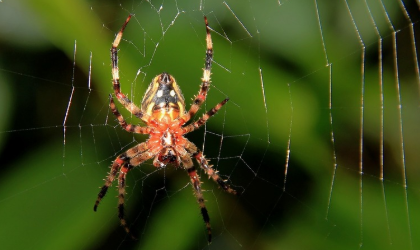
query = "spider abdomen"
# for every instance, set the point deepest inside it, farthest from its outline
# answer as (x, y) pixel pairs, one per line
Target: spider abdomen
(163, 96)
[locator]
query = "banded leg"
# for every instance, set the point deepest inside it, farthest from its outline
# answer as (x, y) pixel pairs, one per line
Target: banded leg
(128, 127)
(121, 194)
(212, 173)
(134, 161)
(116, 166)
(196, 184)
(108, 182)
(200, 122)
(201, 97)
(136, 111)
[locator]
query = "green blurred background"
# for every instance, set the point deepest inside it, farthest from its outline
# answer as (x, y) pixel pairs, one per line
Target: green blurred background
(293, 86)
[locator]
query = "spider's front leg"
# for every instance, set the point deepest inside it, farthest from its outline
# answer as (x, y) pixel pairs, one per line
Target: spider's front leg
(136, 111)
(201, 97)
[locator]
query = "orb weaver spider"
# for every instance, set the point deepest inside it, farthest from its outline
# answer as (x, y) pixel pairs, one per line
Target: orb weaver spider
(163, 111)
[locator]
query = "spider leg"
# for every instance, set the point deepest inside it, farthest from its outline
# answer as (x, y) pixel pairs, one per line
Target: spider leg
(201, 97)
(204, 118)
(121, 193)
(135, 161)
(124, 163)
(196, 184)
(136, 111)
(111, 176)
(116, 166)
(128, 127)
(212, 173)
(204, 164)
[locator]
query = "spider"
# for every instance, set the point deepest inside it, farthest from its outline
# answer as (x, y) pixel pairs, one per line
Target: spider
(163, 111)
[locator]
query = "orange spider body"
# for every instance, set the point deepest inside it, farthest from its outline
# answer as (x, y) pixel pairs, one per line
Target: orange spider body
(164, 102)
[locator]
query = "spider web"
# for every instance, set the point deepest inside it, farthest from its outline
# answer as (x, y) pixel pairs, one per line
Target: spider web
(319, 134)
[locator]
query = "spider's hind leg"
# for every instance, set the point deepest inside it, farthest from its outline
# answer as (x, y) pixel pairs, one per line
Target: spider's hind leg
(196, 184)
(204, 164)
(121, 194)
(121, 160)
(111, 176)
(212, 173)
(138, 155)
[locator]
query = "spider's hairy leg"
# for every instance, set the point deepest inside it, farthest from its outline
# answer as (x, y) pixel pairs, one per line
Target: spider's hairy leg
(136, 111)
(212, 173)
(201, 97)
(128, 127)
(114, 57)
(121, 193)
(116, 166)
(132, 162)
(204, 164)
(196, 184)
(200, 122)
(114, 170)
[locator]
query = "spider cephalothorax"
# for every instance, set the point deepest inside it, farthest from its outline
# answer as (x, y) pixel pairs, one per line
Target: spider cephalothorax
(163, 111)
